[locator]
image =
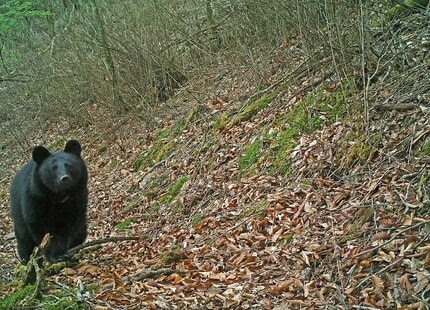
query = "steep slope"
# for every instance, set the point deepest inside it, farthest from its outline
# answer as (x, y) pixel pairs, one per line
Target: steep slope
(255, 198)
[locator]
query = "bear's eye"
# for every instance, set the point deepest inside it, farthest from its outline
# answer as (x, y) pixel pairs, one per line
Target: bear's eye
(55, 167)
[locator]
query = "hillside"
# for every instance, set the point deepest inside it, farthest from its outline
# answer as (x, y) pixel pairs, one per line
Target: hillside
(297, 190)
(252, 200)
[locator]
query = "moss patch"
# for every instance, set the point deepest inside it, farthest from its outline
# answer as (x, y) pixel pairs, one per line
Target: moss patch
(121, 227)
(251, 154)
(250, 110)
(277, 140)
(57, 144)
(259, 209)
(196, 219)
(173, 190)
(162, 147)
(171, 256)
(102, 148)
(152, 212)
(246, 112)
(54, 268)
(312, 113)
(423, 149)
(405, 8)
(22, 298)
(357, 148)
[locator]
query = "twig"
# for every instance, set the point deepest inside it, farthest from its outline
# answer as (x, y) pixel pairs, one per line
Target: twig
(38, 274)
(391, 239)
(379, 271)
(100, 241)
(148, 273)
(364, 307)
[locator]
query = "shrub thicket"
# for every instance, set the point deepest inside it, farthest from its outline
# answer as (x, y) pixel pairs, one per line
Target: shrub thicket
(60, 59)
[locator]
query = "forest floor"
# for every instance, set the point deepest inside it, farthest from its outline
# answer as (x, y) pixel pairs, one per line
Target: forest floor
(284, 197)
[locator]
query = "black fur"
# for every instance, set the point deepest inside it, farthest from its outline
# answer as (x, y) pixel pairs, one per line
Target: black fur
(49, 194)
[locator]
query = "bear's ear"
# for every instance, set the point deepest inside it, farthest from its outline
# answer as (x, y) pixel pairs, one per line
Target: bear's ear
(39, 154)
(73, 147)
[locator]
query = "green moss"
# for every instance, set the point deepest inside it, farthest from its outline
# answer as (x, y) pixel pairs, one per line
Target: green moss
(281, 159)
(102, 148)
(316, 110)
(221, 121)
(357, 148)
(196, 219)
(423, 150)
(22, 297)
(164, 150)
(194, 111)
(162, 147)
(152, 211)
(114, 163)
(358, 151)
(251, 154)
(250, 110)
(179, 126)
(121, 227)
(130, 206)
(19, 271)
(259, 209)
(64, 299)
(354, 229)
(284, 142)
(137, 163)
(163, 133)
(173, 190)
(54, 268)
(287, 239)
(171, 256)
(176, 187)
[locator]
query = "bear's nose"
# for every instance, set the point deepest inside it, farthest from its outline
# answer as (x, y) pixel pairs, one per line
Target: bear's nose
(65, 180)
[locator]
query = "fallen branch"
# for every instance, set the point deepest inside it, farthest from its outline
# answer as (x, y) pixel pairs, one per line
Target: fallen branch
(33, 273)
(100, 241)
(150, 273)
(395, 107)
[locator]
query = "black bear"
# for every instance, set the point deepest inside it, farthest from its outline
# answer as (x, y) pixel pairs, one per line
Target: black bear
(49, 195)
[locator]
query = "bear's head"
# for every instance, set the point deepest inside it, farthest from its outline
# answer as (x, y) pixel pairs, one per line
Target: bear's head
(60, 171)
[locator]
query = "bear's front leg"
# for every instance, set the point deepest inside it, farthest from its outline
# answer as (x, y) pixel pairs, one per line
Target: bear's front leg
(57, 251)
(25, 245)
